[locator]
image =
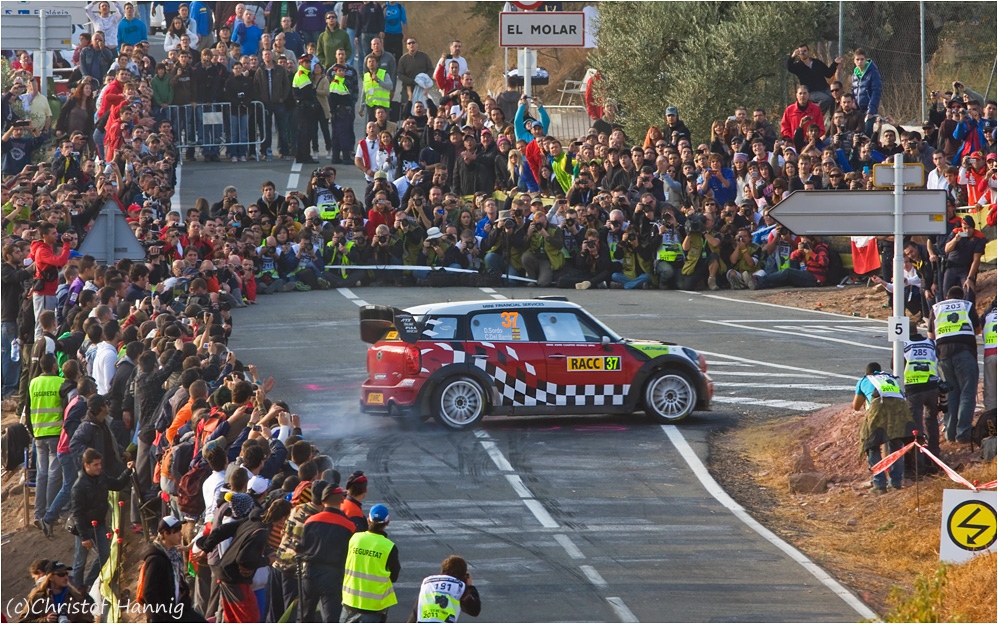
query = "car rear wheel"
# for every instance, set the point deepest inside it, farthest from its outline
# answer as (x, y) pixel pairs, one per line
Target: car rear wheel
(459, 402)
(669, 396)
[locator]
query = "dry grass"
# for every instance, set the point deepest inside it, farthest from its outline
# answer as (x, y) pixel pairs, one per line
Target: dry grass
(873, 543)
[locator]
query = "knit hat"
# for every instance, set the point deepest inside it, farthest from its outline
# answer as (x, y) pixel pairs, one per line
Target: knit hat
(241, 504)
(740, 157)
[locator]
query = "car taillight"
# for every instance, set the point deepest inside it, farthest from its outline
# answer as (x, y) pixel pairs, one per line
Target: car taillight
(702, 363)
(413, 363)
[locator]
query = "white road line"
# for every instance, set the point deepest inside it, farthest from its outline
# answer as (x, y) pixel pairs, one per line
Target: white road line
(749, 384)
(296, 167)
(491, 292)
(737, 373)
(715, 490)
(783, 320)
(360, 302)
(722, 363)
(800, 406)
(569, 546)
(540, 513)
(798, 334)
(497, 457)
(766, 303)
(618, 606)
(594, 576)
(346, 292)
(515, 481)
(518, 486)
(781, 366)
(293, 182)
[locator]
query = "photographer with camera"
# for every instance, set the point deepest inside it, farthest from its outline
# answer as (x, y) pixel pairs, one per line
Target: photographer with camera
(407, 238)
(583, 191)
(434, 249)
(543, 245)
(670, 259)
(381, 184)
(843, 139)
(632, 274)
(590, 267)
(808, 267)
(503, 255)
(573, 233)
(701, 248)
(646, 184)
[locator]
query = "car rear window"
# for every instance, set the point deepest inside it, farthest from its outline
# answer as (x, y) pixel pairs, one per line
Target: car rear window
(499, 327)
(440, 328)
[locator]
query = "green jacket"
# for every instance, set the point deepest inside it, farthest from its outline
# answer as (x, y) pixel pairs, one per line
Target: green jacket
(162, 91)
(553, 246)
(329, 42)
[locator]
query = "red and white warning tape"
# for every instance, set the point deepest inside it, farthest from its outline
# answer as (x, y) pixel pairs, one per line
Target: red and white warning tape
(886, 463)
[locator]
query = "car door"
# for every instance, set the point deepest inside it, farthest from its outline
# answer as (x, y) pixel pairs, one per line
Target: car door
(580, 371)
(501, 344)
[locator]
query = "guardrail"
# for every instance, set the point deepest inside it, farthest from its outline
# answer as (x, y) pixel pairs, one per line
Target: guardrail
(212, 126)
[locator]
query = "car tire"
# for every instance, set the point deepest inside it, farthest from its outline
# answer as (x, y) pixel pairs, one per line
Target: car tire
(669, 396)
(458, 402)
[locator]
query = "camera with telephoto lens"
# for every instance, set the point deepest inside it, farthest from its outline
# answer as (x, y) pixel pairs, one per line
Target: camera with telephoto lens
(383, 239)
(696, 223)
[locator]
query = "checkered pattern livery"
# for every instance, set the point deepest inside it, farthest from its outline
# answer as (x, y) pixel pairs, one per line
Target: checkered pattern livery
(515, 391)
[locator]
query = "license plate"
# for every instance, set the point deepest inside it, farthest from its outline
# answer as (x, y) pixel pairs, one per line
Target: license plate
(375, 398)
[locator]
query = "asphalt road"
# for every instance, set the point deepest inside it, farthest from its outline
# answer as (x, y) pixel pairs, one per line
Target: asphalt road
(587, 518)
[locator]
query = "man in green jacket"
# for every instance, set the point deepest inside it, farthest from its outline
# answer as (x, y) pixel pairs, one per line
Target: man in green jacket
(332, 39)
(544, 244)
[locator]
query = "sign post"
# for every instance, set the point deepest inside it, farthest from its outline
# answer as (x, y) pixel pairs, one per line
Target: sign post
(823, 213)
(41, 30)
(541, 29)
(110, 238)
(898, 272)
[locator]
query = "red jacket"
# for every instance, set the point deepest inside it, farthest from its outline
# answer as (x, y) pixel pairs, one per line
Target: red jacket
(44, 257)
(445, 82)
(793, 115)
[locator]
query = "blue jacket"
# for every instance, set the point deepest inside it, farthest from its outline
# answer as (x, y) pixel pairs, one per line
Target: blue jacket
(867, 89)
(202, 17)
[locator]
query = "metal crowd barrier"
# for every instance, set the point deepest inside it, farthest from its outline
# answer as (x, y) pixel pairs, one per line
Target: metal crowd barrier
(213, 126)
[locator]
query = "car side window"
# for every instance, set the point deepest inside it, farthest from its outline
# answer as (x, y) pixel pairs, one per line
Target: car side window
(440, 328)
(567, 327)
(505, 326)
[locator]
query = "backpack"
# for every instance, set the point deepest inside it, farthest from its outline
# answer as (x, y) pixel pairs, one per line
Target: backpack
(189, 498)
(243, 544)
(180, 458)
(13, 442)
(207, 426)
(164, 411)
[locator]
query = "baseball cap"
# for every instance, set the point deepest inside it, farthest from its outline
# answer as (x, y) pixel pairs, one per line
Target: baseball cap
(380, 175)
(58, 566)
(339, 66)
(978, 155)
(991, 156)
(305, 57)
(258, 485)
(672, 110)
(379, 513)
(167, 524)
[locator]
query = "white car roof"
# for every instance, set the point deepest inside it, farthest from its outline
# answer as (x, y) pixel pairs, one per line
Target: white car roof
(464, 307)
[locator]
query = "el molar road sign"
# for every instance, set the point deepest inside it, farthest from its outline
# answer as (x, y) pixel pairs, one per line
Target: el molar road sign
(543, 29)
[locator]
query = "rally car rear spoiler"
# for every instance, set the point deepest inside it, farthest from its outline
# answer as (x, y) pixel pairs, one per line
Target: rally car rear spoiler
(376, 321)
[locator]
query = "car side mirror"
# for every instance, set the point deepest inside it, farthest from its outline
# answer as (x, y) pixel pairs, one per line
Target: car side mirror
(606, 343)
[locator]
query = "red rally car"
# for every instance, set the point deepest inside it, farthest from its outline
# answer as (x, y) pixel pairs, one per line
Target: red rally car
(461, 361)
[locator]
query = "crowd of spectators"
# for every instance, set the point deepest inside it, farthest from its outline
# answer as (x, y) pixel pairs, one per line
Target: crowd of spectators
(126, 364)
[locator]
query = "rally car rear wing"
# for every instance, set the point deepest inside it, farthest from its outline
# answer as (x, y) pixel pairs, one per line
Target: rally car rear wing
(376, 321)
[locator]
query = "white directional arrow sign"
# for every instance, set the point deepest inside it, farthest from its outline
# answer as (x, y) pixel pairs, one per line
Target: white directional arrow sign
(871, 213)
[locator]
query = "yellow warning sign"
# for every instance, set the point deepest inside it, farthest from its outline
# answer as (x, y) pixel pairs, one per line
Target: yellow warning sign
(973, 525)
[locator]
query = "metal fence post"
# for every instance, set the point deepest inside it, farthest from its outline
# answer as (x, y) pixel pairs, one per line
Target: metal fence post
(921, 33)
(841, 24)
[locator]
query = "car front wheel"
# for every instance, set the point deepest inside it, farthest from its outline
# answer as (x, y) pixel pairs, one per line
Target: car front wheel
(669, 396)
(458, 403)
